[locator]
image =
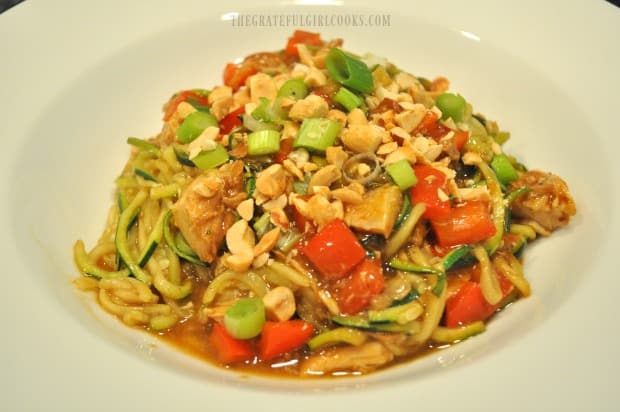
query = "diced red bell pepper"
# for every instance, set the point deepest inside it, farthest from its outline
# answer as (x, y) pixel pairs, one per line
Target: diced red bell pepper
(469, 305)
(430, 180)
(301, 37)
(184, 96)
(228, 349)
(334, 250)
(286, 147)
(236, 75)
(231, 120)
(360, 287)
(431, 127)
(467, 223)
(460, 138)
(278, 338)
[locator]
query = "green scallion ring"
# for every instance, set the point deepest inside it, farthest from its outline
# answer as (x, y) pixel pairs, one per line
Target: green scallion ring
(349, 71)
(245, 318)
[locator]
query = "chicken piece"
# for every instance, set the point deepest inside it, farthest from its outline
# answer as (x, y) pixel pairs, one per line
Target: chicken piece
(203, 213)
(377, 212)
(365, 357)
(548, 202)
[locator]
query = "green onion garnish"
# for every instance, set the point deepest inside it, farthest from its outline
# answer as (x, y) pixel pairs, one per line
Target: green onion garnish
(245, 318)
(504, 170)
(317, 134)
(402, 174)
(348, 99)
(212, 158)
(349, 71)
(263, 142)
(451, 105)
(194, 124)
(294, 88)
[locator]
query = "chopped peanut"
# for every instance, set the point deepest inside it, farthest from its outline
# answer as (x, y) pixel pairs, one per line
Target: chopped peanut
(311, 106)
(271, 182)
(356, 116)
(361, 138)
(219, 92)
(324, 177)
(410, 119)
(262, 85)
(240, 238)
(279, 304)
(267, 242)
(336, 156)
(246, 209)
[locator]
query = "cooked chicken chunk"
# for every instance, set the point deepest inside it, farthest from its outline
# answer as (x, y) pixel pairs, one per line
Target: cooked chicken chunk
(354, 358)
(548, 203)
(377, 212)
(203, 213)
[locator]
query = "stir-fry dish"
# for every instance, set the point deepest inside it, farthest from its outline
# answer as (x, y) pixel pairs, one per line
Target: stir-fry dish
(320, 214)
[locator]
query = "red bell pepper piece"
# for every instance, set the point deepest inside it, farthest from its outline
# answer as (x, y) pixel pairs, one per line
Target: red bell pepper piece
(431, 127)
(301, 37)
(469, 305)
(469, 222)
(236, 75)
(184, 96)
(430, 180)
(228, 349)
(286, 147)
(278, 338)
(460, 138)
(334, 250)
(357, 290)
(231, 120)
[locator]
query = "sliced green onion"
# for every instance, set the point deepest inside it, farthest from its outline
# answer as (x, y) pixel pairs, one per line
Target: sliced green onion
(294, 88)
(504, 170)
(263, 142)
(317, 134)
(349, 71)
(262, 224)
(210, 159)
(339, 335)
(245, 318)
(194, 124)
(143, 145)
(402, 174)
(300, 188)
(451, 105)
(348, 99)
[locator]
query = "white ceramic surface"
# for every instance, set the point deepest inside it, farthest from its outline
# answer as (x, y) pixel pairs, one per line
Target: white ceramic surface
(77, 78)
